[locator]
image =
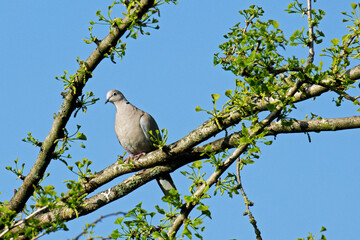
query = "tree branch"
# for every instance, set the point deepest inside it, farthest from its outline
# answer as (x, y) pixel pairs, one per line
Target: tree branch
(197, 153)
(310, 58)
(96, 221)
(22, 221)
(184, 147)
(257, 129)
(68, 106)
(353, 73)
(248, 203)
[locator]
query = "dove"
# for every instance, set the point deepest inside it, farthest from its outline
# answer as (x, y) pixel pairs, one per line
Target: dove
(132, 127)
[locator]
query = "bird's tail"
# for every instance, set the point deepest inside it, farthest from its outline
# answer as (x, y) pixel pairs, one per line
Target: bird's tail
(166, 183)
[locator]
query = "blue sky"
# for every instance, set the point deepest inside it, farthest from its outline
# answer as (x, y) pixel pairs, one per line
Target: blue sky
(296, 186)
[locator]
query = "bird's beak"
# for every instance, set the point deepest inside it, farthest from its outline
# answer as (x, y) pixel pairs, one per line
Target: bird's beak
(107, 100)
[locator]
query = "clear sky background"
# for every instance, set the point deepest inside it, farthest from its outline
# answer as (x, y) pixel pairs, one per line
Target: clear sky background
(296, 186)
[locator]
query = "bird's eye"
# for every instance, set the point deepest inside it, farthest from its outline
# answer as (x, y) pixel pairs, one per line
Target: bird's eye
(115, 94)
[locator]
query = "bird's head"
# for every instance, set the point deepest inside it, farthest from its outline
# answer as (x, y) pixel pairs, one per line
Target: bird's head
(114, 96)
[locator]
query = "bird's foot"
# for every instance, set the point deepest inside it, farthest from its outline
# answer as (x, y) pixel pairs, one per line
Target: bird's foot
(126, 160)
(139, 155)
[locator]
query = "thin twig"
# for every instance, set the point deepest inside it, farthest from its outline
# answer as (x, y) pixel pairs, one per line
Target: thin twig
(346, 96)
(38, 236)
(22, 221)
(86, 228)
(96, 221)
(247, 202)
(344, 53)
(310, 58)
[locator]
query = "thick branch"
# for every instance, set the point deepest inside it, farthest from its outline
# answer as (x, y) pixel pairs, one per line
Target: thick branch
(353, 73)
(315, 125)
(142, 177)
(183, 148)
(165, 155)
(68, 106)
(101, 199)
(281, 127)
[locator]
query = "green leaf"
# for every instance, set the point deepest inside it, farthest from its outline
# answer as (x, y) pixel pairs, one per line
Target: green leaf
(208, 148)
(160, 210)
(251, 58)
(271, 107)
(353, 6)
(248, 161)
(81, 136)
(323, 229)
(295, 35)
(197, 164)
(205, 190)
(202, 208)
(228, 93)
(188, 198)
(275, 24)
(198, 109)
(215, 96)
(335, 41)
(119, 220)
(187, 232)
(156, 235)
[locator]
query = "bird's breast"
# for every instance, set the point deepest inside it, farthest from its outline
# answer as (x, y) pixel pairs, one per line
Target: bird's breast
(131, 135)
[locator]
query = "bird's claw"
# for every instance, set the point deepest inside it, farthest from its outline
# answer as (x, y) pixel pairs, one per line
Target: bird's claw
(126, 160)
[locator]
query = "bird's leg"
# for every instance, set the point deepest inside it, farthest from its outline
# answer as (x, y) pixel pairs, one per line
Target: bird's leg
(139, 155)
(126, 160)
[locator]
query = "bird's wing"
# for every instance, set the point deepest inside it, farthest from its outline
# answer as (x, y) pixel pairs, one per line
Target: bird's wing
(147, 123)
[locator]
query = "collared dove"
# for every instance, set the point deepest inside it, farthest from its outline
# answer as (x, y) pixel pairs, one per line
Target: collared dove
(132, 127)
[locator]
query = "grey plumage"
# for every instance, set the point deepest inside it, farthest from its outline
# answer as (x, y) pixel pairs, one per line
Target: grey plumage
(132, 127)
